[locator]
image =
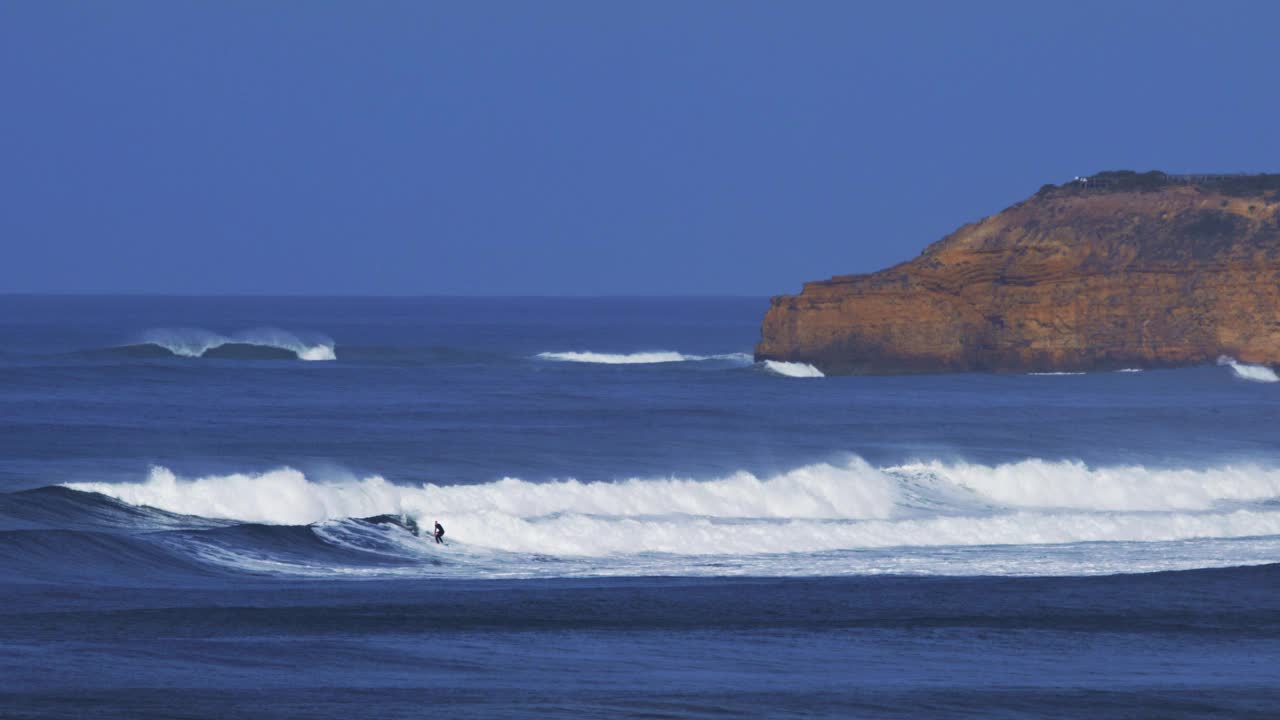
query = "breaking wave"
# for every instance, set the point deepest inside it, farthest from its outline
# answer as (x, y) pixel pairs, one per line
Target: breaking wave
(895, 512)
(288, 497)
(1254, 373)
(1052, 374)
(792, 369)
(1046, 485)
(261, 343)
(639, 358)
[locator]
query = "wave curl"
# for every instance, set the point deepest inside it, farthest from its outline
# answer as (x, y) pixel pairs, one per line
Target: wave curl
(260, 343)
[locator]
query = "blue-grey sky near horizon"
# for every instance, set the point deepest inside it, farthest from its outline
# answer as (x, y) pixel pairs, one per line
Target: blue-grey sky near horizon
(582, 148)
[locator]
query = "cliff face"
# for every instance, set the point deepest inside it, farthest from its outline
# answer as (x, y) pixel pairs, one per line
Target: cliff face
(1157, 271)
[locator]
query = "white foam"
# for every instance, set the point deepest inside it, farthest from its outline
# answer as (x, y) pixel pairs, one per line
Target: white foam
(589, 536)
(280, 497)
(1074, 485)
(321, 349)
(1129, 370)
(813, 509)
(638, 358)
(194, 342)
(287, 497)
(792, 369)
(1254, 373)
(1051, 374)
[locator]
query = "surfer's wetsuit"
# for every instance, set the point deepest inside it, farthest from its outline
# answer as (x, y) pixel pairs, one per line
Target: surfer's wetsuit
(439, 534)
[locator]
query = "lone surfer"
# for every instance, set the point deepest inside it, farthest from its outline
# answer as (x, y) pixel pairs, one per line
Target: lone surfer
(439, 533)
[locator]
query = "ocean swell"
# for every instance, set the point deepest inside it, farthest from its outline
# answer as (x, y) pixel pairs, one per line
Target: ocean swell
(260, 343)
(816, 508)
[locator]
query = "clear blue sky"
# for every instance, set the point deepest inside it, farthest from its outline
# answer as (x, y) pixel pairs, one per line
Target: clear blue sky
(579, 148)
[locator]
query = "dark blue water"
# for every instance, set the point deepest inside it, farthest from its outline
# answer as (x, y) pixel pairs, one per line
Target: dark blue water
(196, 521)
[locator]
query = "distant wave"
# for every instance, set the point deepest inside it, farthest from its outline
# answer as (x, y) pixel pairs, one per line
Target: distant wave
(258, 344)
(1254, 373)
(786, 369)
(1050, 374)
(1129, 370)
(639, 358)
(792, 369)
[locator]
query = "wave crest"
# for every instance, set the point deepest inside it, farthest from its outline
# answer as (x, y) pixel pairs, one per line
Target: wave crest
(1254, 373)
(194, 342)
(287, 497)
(638, 358)
(1076, 486)
(792, 369)
(816, 508)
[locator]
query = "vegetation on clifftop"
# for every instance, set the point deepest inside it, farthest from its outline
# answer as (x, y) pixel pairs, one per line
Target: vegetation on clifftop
(1131, 181)
(1117, 270)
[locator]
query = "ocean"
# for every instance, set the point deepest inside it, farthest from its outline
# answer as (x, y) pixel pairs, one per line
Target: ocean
(208, 505)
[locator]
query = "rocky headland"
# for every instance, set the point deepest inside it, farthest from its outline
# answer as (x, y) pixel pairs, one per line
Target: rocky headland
(1116, 270)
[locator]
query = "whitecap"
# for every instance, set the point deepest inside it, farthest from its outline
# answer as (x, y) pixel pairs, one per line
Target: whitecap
(195, 342)
(792, 369)
(820, 507)
(1253, 373)
(638, 358)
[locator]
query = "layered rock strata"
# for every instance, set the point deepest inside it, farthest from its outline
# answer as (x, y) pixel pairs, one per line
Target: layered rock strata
(1113, 271)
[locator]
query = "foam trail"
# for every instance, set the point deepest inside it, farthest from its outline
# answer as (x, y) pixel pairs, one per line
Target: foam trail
(638, 358)
(792, 369)
(587, 536)
(1254, 373)
(1129, 370)
(195, 342)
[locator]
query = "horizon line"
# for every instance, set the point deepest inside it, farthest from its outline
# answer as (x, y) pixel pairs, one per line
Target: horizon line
(386, 296)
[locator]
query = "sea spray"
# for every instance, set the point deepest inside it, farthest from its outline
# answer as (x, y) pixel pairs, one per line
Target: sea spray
(1253, 373)
(815, 508)
(1047, 484)
(286, 496)
(196, 342)
(792, 369)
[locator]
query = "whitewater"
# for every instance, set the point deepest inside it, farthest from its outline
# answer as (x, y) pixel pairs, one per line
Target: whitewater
(653, 357)
(784, 524)
(648, 357)
(635, 444)
(631, 500)
(1252, 373)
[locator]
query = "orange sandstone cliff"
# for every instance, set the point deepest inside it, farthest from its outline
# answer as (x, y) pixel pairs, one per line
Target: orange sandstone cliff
(1116, 270)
